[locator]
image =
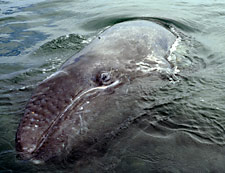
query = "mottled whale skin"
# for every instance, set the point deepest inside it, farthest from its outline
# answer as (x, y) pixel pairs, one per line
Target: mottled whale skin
(63, 112)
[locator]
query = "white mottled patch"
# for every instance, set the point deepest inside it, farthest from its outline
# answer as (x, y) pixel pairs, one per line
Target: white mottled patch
(153, 63)
(25, 148)
(152, 58)
(26, 127)
(31, 149)
(37, 162)
(145, 67)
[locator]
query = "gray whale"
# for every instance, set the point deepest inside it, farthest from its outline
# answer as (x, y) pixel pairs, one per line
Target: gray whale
(69, 111)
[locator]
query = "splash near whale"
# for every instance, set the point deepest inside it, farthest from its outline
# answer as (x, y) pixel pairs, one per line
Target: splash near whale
(72, 110)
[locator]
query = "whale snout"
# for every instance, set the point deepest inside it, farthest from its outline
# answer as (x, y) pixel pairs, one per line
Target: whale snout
(42, 114)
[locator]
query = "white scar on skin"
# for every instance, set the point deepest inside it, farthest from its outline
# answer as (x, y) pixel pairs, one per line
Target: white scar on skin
(90, 90)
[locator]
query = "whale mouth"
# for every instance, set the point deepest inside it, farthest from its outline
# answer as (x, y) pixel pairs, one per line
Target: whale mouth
(32, 135)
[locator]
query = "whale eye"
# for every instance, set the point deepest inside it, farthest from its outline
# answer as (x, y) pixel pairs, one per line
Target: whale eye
(103, 78)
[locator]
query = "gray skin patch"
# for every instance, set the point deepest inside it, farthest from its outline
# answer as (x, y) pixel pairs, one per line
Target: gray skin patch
(163, 43)
(64, 113)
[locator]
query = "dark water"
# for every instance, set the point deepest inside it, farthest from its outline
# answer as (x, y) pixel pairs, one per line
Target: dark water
(187, 116)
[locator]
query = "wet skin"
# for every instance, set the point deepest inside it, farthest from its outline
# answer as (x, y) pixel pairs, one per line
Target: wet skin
(69, 111)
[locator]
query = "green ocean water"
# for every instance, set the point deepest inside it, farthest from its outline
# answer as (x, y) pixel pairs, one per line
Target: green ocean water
(37, 37)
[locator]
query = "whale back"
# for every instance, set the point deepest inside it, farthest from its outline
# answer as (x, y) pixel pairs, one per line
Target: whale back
(128, 44)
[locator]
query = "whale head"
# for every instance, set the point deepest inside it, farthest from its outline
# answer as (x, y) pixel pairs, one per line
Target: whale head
(70, 109)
